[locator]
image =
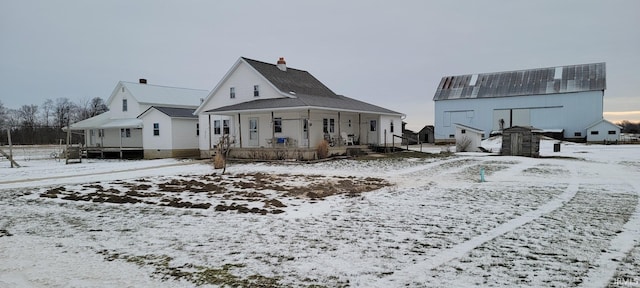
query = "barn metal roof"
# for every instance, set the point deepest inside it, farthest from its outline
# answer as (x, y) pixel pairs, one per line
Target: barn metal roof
(540, 81)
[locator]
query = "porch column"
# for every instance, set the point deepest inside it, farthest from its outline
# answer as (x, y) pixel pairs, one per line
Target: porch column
(273, 133)
(339, 130)
(308, 128)
(239, 131)
(359, 129)
(209, 127)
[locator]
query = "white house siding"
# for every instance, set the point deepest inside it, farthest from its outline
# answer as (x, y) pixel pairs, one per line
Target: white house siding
(385, 130)
(133, 107)
(184, 134)
(466, 134)
(573, 112)
(159, 142)
(603, 131)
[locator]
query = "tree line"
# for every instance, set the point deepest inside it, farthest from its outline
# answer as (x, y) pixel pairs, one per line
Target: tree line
(629, 127)
(33, 124)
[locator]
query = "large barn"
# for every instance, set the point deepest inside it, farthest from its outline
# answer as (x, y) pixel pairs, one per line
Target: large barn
(566, 100)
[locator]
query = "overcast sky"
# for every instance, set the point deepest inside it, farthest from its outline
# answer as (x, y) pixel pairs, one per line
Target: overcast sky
(388, 53)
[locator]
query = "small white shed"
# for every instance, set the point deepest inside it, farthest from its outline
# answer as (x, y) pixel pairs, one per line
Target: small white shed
(468, 139)
(603, 131)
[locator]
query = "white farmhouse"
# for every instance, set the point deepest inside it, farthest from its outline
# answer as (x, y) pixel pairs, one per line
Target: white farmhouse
(263, 106)
(144, 120)
(566, 99)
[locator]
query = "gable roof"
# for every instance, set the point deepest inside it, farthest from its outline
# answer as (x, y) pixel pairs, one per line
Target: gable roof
(103, 121)
(540, 81)
(338, 102)
(173, 112)
(603, 120)
(291, 80)
(161, 95)
(469, 128)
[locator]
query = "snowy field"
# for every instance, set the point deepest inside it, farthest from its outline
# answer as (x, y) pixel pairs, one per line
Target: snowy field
(568, 219)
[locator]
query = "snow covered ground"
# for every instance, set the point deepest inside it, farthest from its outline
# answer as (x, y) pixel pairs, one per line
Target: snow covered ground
(568, 219)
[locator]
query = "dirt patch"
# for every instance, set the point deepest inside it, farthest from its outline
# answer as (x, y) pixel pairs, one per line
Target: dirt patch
(256, 193)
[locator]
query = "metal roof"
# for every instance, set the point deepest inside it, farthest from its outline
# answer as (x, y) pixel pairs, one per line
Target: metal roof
(103, 121)
(163, 95)
(540, 81)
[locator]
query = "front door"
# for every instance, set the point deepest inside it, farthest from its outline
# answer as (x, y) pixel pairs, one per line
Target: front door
(253, 132)
(372, 136)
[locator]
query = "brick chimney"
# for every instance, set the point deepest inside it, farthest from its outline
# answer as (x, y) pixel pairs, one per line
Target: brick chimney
(143, 81)
(282, 65)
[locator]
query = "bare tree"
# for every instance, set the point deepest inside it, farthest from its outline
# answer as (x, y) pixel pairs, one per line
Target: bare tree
(97, 107)
(28, 116)
(63, 112)
(3, 114)
(47, 108)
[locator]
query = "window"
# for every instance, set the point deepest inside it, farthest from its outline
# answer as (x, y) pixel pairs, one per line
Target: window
(92, 132)
(197, 129)
(373, 126)
(452, 136)
(256, 90)
(216, 127)
(225, 126)
(349, 122)
(277, 125)
(328, 125)
(577, 134)
(101, 133)
(156, 129)
(612, 132)
(125, 133)
(124, 105)
(595, 132)
(391, 126)
(232, 92)
(463, 131)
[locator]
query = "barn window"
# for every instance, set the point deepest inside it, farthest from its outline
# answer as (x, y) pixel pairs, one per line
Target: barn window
(216, 127)
(156, 129)
(577, 134)
(595, 132)
(452, 136)
(463, 131)
(612, 132)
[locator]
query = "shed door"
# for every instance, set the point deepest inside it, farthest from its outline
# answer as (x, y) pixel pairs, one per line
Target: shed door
(516, 144)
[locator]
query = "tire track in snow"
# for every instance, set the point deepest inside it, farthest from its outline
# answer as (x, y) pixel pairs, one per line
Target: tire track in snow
(606, 265)
(416, 271)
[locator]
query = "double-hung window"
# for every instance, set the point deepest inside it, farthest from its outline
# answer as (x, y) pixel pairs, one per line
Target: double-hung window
(256, 90)
(124, 105)
(156, 129)
(225, 126)
(277, 125)
(232, 92)
(216, 127)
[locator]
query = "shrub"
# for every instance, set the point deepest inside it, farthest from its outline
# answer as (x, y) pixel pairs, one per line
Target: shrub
(323, 150)
(218, 161)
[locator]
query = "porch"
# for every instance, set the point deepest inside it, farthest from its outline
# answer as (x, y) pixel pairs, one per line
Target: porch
(294, 153)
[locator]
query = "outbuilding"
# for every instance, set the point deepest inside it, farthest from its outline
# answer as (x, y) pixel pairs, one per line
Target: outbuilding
(521, 141)
(603, 131)
(468, 139)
